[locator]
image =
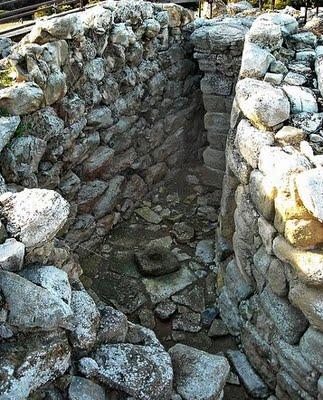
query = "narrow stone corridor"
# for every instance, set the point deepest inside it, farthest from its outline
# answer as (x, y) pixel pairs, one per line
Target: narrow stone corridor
(158, 267)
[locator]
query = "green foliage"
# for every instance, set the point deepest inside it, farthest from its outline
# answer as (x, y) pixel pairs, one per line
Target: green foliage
(5, 78)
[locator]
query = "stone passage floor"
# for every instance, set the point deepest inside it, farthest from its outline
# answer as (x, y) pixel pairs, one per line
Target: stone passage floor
(157, 267)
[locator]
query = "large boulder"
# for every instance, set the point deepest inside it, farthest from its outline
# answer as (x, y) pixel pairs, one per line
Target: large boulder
(31, 362)
(197, 374)
(32, 306)
(144, 372)
(34, 216)
(265, 105)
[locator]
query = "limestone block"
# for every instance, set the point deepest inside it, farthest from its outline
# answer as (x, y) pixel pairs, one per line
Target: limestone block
(255, 61)
(301, 99)
(276, 278)
(289, 135)
(24, 313)
(310, 189)
(219, 36)
(21, 98)
(304, 233)
(238, 286)
(240, 168)
(214, 159)
(34, 215)
(275, 79)
(288, 207)
(309, 122)
(286, 23)
(8, 127)
(307, 263)
(84, 389)
(251, 380)
(279, 164)
(311, 346)
(250, 140)
(310, 301)
(295, 79)
(197, 374)
(266, 34)
(261, 262)
(216, 84)
(265, 105)
(86, 320)
(291, 360)
(12, 255)
(145, 371)
(217, 121)
(288, 320)
(39, 359)
(267, 233)
(262, 193)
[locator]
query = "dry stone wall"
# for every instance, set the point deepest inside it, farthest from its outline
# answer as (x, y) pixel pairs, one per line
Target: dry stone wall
(271, 289)
(218, 47)
(106, 103)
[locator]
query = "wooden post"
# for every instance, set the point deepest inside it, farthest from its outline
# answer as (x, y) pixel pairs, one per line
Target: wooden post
(260, 5)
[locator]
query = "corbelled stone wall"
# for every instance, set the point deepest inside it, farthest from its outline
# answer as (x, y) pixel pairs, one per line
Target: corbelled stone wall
(106, 104)
(271, 292)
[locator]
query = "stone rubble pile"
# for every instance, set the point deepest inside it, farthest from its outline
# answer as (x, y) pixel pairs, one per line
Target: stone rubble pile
(271, 215)
(56, 342)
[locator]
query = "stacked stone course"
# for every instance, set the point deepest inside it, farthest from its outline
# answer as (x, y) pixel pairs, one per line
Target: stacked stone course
(108, 103)
(271, 289)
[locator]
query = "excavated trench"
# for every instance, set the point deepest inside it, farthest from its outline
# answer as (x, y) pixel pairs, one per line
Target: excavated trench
(180, 306)
(189, 203)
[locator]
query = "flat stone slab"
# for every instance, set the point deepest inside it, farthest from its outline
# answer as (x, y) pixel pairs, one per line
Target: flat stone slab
(163, 287)
(251, 381)
(197, 374)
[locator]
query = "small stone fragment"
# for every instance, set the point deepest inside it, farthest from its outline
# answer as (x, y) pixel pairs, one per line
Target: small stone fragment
(12, 255)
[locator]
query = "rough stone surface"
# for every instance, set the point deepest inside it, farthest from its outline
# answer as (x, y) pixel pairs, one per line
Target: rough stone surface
(34, 216)
(40, 359)
(85, 320)
(84, 389)
(263, 104)
(117, 366)
(45, 311)
(198, 375)
(12, 255)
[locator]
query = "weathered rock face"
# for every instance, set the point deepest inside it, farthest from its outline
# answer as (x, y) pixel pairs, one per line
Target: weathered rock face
(144, 372)
(272, 292)
(198, 375)
(34, 216)
(27, 366)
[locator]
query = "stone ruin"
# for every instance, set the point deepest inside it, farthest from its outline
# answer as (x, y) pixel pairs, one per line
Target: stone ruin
(104, 107)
